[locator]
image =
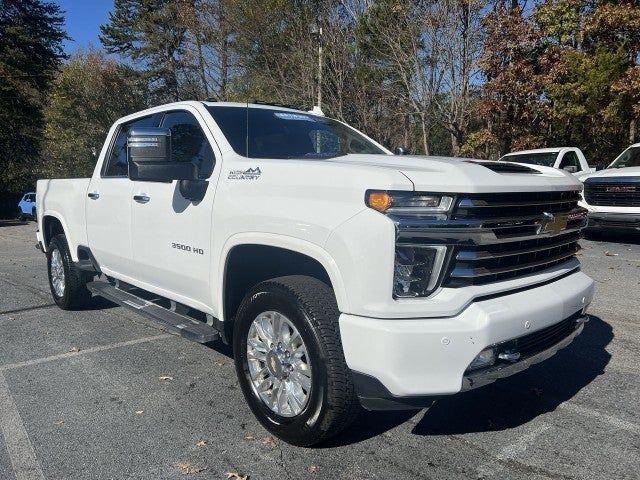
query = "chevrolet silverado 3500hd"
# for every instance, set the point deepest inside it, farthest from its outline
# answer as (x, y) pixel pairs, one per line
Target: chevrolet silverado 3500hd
(341, 274)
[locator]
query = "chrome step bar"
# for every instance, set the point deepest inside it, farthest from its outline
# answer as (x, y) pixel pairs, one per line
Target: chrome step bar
(172, 320)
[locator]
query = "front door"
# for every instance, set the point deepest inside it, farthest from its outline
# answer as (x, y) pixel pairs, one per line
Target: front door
(108, 206)
(171, 234)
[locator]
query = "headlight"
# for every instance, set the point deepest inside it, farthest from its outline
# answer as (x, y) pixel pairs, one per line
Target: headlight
(409, 203)
(417, 269)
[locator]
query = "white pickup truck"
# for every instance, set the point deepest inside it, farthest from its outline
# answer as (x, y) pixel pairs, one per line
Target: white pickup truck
(341, 274)
(570, 159)
(612, 195)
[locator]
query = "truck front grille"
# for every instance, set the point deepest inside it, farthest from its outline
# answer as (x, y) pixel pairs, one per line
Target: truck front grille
(533, 232)
(613, 191)
(499, 236)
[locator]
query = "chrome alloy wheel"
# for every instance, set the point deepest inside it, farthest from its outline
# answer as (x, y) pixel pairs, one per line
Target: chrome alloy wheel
(57, 272)
(279, 366)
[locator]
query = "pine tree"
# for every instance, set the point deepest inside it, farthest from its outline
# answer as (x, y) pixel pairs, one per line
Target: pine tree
(31, 38)
(151, 32)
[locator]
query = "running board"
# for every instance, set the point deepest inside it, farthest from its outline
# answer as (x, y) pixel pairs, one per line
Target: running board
(183, 325)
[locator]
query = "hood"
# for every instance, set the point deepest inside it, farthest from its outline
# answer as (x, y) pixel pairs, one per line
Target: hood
(467, 175)
(614, 172)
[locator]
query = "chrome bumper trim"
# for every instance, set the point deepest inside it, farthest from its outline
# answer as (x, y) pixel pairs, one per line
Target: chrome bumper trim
(490, 375)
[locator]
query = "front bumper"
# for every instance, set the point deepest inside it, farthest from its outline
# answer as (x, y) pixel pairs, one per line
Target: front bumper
(618, 221)
(408, 362)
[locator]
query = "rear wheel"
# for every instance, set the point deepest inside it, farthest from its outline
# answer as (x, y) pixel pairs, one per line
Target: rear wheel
(68, 283)
(290, 362)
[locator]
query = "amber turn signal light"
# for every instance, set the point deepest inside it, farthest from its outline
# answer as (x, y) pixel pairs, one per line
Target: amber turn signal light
(379, 201)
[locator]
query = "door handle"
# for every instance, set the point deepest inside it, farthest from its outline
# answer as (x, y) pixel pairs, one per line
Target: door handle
(93, 195)
(141, 198)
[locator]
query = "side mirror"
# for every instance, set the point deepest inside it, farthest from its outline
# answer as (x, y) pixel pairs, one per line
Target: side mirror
(149, 156)
(570, 169)
(599, 167)
(400, 151)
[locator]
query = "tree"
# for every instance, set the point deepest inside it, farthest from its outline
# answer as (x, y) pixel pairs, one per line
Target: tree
(513, 92)
(30, 52)
(88, 95)
(152, 32)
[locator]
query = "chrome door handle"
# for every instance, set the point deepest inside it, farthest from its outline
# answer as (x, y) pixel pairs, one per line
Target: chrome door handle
(93, 195)
(141, 198)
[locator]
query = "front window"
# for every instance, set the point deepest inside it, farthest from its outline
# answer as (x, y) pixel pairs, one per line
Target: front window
(269, 133)
(546, 159)
(629, 158)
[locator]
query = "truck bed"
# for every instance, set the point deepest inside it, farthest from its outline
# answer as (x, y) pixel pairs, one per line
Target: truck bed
(65, 199)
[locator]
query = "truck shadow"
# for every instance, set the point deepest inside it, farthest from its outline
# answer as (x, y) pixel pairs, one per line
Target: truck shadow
(506, 403)
(12, 223)
(630, 238)
(540, 389)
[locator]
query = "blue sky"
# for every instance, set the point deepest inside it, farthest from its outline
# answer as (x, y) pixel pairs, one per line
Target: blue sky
(82, 22)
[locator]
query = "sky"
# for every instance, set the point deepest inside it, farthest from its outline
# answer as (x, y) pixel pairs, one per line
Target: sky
(82, 22)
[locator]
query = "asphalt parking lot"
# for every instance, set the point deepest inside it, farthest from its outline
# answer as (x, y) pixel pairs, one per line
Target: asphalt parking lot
(102, 394)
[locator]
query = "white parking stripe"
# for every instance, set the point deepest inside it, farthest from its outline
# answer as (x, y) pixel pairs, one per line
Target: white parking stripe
(101, 348)
(603, 417)
(511, 451)
(23, 459)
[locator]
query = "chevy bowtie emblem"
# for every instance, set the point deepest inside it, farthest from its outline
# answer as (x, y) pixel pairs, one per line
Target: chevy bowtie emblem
(553, 224)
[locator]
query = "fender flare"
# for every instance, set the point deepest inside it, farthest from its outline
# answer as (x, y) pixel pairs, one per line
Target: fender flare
(294, 244)
(73, 248)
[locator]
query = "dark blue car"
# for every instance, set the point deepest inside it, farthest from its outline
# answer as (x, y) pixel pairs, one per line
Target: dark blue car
(27, 207)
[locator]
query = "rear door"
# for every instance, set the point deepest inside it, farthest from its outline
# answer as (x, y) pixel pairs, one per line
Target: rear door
(109, 206)
(171, 234)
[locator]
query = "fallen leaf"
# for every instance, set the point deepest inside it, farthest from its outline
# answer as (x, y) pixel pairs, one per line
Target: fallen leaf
(219, 363)
(314, 468)
(74, 349)
(269, 442)
(249, 437)
(165, 377)
(609, 254)
(201, 443)
(59, 422)
(236, 476)
(188, 469)
(139, 412)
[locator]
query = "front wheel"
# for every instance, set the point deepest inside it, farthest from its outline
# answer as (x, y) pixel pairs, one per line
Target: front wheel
(290, 362)
(68, 283)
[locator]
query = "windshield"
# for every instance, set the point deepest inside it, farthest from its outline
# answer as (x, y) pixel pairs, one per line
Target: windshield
(629, 158)
(546, 159)
(269, 133)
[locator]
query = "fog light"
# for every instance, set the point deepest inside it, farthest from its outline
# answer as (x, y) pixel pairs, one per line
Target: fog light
(485, 358)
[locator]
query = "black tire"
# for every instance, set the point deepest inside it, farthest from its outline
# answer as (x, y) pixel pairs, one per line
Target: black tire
(20, 215)
(76, 295)
(34, 215)
(311, 306)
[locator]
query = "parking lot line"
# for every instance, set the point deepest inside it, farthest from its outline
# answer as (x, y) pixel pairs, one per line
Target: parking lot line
(603, 417)
(511, 451)
(24, 463)
(111, 346)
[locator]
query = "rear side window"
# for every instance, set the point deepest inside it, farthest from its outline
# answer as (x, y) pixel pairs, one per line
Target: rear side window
(117, 164)
(188, 142)
(570, 159)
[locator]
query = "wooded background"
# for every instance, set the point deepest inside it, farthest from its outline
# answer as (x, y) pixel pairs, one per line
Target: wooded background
(451, 77)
